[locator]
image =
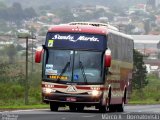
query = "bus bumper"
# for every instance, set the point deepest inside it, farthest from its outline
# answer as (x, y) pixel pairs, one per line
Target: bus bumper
(71, 98)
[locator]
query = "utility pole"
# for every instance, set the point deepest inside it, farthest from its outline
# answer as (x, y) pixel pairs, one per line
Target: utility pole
(144, 52)
(26, 82)
(158, 47)
(32, 56)
(26, 100)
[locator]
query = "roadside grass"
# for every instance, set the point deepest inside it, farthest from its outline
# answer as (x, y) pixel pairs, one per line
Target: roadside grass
(144, 102)
(13, 93)
(150, 94)
(15, 107)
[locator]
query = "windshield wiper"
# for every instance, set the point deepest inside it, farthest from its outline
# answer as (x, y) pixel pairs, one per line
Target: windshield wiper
(63, 71)
(83, 72)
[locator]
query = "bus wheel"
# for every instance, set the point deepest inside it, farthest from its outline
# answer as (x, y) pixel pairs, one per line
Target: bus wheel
(112, 108)
(72, 108)
(102, 109)
(80, 108)
(54, 106)
(120, 107)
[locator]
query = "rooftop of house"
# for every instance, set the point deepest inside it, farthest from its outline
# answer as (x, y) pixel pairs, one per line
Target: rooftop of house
(147, 39)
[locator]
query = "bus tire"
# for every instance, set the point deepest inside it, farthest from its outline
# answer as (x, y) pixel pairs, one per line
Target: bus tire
(120, 107)
(125, 96)
(102, 109)
(80, 108)
(112, 108)
(72, 108)
(54, 106)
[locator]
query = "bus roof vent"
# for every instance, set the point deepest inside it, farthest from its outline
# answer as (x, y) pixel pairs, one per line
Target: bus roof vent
(95, 24)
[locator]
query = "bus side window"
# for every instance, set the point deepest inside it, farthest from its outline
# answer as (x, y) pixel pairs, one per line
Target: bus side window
(119, 48)
(130, 49)
(112, 46)
(115, 45)
(123, 49)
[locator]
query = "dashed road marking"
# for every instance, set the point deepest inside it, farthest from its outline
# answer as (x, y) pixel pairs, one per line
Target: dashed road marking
(89, 116)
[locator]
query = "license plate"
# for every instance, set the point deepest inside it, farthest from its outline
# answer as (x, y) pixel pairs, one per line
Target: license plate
(71, 99)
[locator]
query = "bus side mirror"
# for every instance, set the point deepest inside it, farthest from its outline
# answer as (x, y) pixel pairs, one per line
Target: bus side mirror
(108, 58)
(38, 54)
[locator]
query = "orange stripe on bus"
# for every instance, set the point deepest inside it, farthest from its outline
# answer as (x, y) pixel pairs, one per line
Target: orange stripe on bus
(114, 81)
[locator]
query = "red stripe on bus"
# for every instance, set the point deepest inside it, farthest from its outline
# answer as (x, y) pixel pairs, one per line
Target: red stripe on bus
(83, 88)
(55, 86)
(103, 88)
(91, 88)
(60, 86)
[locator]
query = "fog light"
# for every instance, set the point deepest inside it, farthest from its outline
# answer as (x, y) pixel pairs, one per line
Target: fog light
(48, 90)
(94, 92)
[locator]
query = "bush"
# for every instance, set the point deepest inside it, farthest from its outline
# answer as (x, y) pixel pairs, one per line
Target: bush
(148, 93)
(12, 91)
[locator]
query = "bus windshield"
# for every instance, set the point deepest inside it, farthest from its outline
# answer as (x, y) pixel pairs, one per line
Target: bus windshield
(73, 66)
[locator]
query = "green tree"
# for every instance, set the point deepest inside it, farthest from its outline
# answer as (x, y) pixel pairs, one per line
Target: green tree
(29, 13)
(65, 14)
(2, 5)
(158, 55)
(11, 52)
(3, 72)
(99, 13)
(19, 48)
(11, 73)
(15, 13)
(139, 72)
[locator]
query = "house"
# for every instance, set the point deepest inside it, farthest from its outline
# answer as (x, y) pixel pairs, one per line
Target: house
(137, 8)
(147, 45)
(153, 66)
(158, 20)
(153, 3)
(122, 20)
(6, 40)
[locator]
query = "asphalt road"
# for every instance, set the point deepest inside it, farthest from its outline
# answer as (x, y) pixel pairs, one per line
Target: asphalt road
(145, 112)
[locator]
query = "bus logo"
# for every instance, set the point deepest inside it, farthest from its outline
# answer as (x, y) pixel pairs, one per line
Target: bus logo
(50, 43)
(75, 38)
(71, 89)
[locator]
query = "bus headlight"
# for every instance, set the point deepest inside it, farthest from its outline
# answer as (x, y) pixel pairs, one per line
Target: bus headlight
(48, 90)
(94, 93)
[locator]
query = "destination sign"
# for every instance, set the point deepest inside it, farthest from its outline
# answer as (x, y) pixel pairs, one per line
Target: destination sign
(58, 77)
(76, 41)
